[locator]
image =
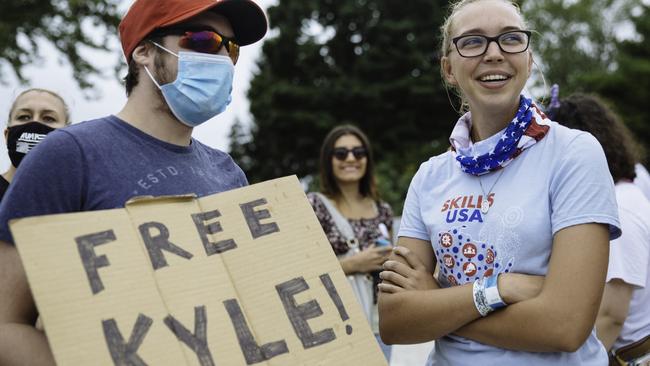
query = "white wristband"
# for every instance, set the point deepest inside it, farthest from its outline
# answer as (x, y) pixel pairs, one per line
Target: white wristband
(478, 293)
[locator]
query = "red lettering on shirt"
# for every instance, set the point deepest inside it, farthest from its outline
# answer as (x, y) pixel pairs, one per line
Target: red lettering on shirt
(445, 206)
(454, 202)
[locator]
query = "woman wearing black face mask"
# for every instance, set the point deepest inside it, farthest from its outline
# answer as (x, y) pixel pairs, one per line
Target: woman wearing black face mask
(34, 114)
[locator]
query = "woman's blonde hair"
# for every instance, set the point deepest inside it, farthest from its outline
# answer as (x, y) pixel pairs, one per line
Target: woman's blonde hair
(66, 109)
(445, 46)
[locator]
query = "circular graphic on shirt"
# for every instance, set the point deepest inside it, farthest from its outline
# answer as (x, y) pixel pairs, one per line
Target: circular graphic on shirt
(448, 260)
(488, 273)
(452, 280)
(469, 250)
(513, 217)
(446, 240)
(469, 269)
(489, 257)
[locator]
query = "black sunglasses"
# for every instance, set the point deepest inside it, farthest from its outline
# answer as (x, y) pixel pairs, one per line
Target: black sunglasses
(341, 153)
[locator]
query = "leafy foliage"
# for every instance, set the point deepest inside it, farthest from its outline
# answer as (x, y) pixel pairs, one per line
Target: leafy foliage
(63, 23)
(573, 39)
(628, 87)
(372, 63)
(579, 48)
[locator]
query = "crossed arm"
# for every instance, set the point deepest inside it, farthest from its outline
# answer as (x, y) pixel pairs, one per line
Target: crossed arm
(20, 342)
(556, 314)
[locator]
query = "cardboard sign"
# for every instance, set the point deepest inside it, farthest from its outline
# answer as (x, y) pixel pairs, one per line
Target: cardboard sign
(245, 277)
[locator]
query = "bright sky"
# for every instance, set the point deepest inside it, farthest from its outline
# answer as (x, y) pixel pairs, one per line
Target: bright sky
(55, 75)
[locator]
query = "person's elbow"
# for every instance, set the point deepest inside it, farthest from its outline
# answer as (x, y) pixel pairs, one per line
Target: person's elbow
(569, 334)
(389, 319)
(572, 342)
(388, 334)
(610, 318)
(608, 325)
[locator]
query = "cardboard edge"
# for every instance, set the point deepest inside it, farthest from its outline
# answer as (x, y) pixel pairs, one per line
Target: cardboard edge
(148, 199)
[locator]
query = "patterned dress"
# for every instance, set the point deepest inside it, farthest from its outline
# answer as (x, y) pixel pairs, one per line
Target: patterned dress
(365, 230)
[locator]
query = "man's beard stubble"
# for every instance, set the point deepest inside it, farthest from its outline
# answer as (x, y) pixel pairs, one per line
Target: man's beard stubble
(163, 76)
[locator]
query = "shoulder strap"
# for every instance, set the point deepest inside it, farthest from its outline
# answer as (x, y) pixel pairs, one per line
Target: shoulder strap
(341, 222)
(376, 206)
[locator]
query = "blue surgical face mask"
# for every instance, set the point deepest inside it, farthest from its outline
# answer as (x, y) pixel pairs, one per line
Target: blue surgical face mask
(202, 87)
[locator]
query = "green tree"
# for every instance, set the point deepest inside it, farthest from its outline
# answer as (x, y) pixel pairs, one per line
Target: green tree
(573, 39)
(578, 45)
(372, 63)
(65, 24)
(628, 86)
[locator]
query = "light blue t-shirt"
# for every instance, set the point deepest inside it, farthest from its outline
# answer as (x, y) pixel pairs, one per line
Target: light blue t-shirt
(562, 180)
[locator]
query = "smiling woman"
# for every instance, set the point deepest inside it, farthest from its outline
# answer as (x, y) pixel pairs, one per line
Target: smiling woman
(513, 219)
(357, 223)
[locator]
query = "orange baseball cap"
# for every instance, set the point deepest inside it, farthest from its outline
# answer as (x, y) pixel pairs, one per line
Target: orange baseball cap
(246, 18)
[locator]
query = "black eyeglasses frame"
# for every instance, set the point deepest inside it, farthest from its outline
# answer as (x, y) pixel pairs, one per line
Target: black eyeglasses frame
(494, 39)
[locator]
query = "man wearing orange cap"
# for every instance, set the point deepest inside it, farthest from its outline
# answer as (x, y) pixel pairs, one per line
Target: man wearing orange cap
(181, 56)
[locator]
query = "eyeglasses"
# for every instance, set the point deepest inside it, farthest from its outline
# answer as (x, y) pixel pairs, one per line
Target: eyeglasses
(474, 45)
(202, 40)
(341, 153)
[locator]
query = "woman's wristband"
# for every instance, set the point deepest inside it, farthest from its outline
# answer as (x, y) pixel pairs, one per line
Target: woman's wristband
(485, 292)
(478, 292)
(492, 295)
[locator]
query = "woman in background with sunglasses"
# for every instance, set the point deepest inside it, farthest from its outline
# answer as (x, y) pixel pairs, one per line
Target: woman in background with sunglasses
(357, 223)
(514, 220)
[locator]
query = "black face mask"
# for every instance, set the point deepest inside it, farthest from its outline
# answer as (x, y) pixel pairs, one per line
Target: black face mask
(21, 139)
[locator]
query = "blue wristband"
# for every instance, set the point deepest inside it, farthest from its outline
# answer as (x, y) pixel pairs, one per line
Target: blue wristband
(492, 297)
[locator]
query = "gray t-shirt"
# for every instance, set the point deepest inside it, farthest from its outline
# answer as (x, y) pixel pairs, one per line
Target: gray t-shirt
(101, 164)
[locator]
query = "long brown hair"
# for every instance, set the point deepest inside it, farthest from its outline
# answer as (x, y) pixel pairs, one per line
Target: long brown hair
(589, 113)
(328, 185)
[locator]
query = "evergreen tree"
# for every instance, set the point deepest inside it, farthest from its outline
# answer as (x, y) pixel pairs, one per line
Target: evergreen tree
(372, 63)
(628, 87)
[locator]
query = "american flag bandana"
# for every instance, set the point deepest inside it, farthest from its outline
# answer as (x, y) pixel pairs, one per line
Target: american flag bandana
(529, 126)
